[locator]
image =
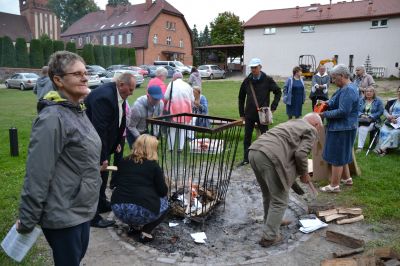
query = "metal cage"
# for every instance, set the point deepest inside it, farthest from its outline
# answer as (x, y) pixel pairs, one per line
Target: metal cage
(197, 160)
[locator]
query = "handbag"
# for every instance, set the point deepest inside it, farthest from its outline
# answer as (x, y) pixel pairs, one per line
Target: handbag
(320, 107)
(364, 121)
(264, 113)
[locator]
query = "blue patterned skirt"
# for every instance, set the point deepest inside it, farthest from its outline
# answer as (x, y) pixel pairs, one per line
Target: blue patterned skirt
(133, 214)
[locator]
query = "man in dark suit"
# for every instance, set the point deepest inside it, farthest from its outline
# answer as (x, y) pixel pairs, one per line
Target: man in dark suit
(106, 110)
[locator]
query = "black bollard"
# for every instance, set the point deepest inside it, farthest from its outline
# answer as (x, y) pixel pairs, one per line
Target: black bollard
(13, 141)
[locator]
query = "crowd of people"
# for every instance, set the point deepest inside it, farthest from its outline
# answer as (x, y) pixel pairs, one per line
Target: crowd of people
(77, 132)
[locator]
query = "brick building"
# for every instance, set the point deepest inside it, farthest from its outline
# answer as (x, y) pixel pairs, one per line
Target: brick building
(156, 29)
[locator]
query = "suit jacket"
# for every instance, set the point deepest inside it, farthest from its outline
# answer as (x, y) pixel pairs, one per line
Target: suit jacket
(102, 110)
(287, 145)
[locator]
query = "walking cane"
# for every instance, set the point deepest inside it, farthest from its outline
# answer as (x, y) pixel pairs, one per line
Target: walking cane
(372, 142)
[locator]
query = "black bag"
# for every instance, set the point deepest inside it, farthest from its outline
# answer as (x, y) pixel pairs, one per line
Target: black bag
(364, 121)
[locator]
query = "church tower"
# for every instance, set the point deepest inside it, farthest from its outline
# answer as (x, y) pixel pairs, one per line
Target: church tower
(40, 18)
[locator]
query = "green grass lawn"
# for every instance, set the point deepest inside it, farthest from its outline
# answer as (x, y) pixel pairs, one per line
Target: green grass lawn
(377, 190)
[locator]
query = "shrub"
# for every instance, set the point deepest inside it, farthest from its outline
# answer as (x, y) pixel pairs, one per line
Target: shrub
(115, 56)
(107, 56)
(98, 55)
(8, 52)
(88, 54)
(58, 46)
(48, 49)
(132, 56)
(21, 53)
(71, 47)
(124, 56)
(1, 51)
(36, 54)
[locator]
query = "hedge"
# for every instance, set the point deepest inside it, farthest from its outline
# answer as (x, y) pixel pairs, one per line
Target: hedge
(132, 56)
(36, 54)
(98, 55)
(47, 46)
(124, 56)
(8, 52)
(115, 56)
(88, 54)
(21, 53)
(71, 47)
(107, 56)
(1, 51)
(58, 46)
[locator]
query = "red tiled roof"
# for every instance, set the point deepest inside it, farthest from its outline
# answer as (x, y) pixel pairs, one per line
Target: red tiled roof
(341, 11)
(14, 26)
(136, 15)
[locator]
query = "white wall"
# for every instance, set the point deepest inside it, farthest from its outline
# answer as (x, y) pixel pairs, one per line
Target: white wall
(280, 52)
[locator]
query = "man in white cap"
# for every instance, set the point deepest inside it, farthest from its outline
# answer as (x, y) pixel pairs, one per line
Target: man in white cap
(263, 86)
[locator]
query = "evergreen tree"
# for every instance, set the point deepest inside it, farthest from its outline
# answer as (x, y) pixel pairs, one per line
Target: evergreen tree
(114, 3)
(36, 54)
(71, 47)
(107, 56)
(21, 53)
(124, 56)
(8, 52)
(88, 54)
(48, 49)
(205, 38)
(132, 56)
(1, 51)
(58, 46)
(98, 55)
(115, 56)
(195, 36)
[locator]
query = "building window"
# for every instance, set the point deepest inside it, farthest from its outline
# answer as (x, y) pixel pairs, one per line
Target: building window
(169, 40)
(80, 41)
(307, 28)
(170, 25)
(112, 40)
(129, 38)
(120, 37)
(167, 25)
(87, 39)
(155, 39)
(104, 40)
(269, 31)
(181, 43)
(382, 23)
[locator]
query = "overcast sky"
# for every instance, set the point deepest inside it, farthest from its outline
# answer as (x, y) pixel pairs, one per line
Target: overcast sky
(202, 12)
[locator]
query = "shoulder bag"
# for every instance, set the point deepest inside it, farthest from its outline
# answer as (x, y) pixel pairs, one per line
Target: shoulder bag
(264, 113)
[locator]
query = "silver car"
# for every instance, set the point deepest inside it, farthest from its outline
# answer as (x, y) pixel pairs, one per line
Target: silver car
(211, 71)
(93, 81)
(112, 75)
(22, 81)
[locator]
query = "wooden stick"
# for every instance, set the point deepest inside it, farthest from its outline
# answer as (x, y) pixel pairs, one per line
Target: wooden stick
(341, 254)
(326, 213)
(355, 211)
(335, 216)
(343, 239)
(351, 220)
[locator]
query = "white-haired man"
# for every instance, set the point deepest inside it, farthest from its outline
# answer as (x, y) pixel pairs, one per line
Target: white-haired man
(363, 80)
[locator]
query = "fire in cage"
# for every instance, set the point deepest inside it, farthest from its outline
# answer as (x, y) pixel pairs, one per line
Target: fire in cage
(197, 160)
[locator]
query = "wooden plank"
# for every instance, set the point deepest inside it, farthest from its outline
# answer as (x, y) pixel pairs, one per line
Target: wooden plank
(351, 220)
(346, 253)
(385, 253)
(327, 212)
(344, 240)
(363, 261)
(354, 211)
(313, 208)
(333, 217)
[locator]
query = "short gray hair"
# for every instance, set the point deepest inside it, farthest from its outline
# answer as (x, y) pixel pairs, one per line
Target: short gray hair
(360, 68)
(60, 60)
(342, 70)
(161, 71)
(197, 88)
(126, 78)
(45, 71)
(312, 118)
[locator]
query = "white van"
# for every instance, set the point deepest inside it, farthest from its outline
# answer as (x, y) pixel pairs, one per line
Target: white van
(175, 64)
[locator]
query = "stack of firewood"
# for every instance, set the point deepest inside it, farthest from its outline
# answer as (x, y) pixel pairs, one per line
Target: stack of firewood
(341, 215)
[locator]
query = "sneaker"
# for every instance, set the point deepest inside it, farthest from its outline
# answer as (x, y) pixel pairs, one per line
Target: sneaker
(330, 189)
(347, 182)
(242, 163)
(268, 243)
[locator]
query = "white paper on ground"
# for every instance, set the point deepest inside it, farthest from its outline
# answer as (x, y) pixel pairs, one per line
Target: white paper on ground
(173, 224)
(199, 237)
(16, 245)
(311, 225)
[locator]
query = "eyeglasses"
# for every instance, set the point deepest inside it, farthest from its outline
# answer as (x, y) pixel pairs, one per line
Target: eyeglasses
(77, 74)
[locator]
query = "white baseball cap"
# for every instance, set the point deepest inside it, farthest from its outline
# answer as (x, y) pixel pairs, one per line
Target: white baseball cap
(255, 62)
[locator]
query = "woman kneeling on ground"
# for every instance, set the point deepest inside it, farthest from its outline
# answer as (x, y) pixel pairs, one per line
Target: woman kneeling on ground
(369, 113)
(140, 196)
(389, 137)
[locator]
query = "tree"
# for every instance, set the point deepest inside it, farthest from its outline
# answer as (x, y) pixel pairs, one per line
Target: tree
(204, 38)
(36, 54)
(21, 53)
(132, 56)
(195, 36)
(1, 51)
(124, 56)
(114, 3)
(58, 46)
(8, 52)
(48, 49)
(226, 29)
(69, 11)
(107, 56)
(115, 56)
(71, 47)
(88, 54)
(98, 55)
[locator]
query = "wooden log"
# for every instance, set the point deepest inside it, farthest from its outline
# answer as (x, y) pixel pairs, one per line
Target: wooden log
(363, 261)
(313, 208)
(354, 211)
(351, 220)
(384, 253)
(327, 212)
(346, 253)
(344, 240)
(333, 217)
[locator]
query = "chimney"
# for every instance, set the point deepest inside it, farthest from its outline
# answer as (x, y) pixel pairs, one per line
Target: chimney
(320, 12)
(328, 14)
(109, 11)
(369, 11)
(297, 11)
(149, 3)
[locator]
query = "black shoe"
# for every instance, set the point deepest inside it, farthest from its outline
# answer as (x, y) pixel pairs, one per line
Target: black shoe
(133, 231)
(242, 163)
(102, 223)
(105, 207)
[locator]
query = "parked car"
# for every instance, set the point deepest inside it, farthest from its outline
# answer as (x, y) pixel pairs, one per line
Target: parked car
(96, 70)
(171, 71)
(174, 64)
(93, 81)
(115, 67)
(211, 71)
(140, 70)
(150, 69)
(22, 81)
(112, 75)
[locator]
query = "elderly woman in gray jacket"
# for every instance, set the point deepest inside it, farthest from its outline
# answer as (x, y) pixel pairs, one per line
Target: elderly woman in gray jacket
(62, 181)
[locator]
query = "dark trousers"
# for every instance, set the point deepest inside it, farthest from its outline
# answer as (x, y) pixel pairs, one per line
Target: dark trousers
(248, 133)
(118, 156)
(148, 228)
(69, 245)
(130, 138)
(103, 202)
